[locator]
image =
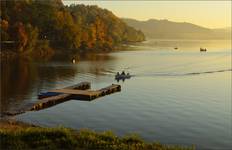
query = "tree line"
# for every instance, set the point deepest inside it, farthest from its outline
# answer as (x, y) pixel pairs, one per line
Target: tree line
(35, 26)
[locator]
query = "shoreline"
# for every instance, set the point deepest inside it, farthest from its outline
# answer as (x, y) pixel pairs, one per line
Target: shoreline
(12, 54)
(20, 135)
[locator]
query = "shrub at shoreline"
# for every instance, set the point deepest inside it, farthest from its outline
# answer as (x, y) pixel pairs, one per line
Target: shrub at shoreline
(24, 136)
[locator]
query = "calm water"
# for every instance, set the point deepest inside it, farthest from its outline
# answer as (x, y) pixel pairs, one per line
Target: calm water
(175, 97)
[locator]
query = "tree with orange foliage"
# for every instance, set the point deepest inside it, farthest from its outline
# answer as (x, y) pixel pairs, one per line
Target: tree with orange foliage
(4, 27)
(21, 36)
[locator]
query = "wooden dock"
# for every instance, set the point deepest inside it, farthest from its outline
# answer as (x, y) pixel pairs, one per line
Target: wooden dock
(79, 92)
(89, 94)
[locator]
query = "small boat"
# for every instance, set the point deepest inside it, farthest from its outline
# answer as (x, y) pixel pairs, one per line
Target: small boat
(122, 77)
(203, 49)
(176, 48)
(47, 94)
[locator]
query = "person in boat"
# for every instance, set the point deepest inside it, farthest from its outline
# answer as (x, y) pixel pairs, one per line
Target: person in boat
(203, 49)
(123, 73)
(128, 74)
(117, 74)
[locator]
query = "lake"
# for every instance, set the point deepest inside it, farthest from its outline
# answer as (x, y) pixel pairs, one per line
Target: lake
(175, 96)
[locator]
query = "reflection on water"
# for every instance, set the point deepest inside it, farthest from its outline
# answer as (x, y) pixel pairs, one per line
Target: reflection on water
(161, 44)
(175, 97)
(15, 82)
(23, 79)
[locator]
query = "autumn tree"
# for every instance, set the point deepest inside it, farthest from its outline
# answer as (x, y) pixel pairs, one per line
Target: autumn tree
(71, 28)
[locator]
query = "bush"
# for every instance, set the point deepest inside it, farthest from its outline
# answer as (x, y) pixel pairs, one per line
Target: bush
(63, 138)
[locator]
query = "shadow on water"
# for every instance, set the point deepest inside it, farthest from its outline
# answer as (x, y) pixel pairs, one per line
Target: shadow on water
(22, 79)
(92, 56)
(16, 79)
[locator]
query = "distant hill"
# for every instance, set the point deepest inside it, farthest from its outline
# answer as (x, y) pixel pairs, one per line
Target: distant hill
(179, 30)
(223, 32)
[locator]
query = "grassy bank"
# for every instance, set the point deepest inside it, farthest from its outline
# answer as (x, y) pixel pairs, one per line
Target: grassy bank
(15, 135)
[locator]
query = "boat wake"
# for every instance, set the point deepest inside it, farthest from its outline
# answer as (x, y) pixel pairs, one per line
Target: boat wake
(208, 72)
(182, 74)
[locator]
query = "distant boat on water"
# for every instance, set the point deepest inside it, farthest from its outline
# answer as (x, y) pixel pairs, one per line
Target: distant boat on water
(203, 49)
(176, 48)
(122, 76)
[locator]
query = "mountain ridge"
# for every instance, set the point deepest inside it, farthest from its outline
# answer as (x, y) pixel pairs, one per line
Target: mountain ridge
(154, 28)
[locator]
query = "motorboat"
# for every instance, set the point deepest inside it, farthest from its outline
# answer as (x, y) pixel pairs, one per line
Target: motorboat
(203, 49)
(122, 76)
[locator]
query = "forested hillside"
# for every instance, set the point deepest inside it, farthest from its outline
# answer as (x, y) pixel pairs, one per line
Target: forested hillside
(38, 26)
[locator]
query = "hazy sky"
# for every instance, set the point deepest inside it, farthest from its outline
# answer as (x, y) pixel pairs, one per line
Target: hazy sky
(212, 14)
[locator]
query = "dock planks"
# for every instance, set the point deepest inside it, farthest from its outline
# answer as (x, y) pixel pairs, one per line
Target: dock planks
(79, 92)
(48, 101)
(89, 94)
